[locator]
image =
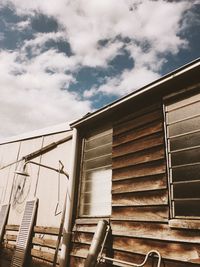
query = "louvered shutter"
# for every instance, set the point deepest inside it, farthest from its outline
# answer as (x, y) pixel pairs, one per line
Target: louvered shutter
(24, 234)
(3, 217)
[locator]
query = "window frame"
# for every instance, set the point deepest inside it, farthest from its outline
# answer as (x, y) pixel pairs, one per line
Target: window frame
(177, 221)
(90, 134)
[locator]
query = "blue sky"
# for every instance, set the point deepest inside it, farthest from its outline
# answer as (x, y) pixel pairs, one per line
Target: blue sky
(62, 59)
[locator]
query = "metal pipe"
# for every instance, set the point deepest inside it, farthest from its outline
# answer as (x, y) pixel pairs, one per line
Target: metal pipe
(64, 254)
(152, 252)
(60, 231)
(95, 248)
(61, 170)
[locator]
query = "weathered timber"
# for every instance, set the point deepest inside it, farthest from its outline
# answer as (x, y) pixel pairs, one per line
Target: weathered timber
(139, 185)
(157, 231)
(42, 255)
(83, 238)
(79, 250)
(153, 213)
(147, 155)
(12, 227)
(146, 142)
(185, 224)
(155, 197)
(169, 250)
(88, 228)
(8, 237)
(141, 170)
(137, 122)
(49, 243)
(135, 134)
(137, 258)
(9, 246)
(76, 261)
(46, 230)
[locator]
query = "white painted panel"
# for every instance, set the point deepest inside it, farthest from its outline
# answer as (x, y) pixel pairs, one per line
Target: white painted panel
(24, 187)
(8, 155)
(51, 189)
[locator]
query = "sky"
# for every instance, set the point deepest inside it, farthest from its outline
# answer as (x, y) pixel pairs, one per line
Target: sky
(61, 59)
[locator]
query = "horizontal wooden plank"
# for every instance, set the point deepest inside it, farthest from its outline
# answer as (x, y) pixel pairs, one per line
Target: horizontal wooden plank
(137, 122)
(185, 224)
(82, 237)
(153, 213)
(142, 170)
(8, 246)
(139, 112)
(135, 134)
(156, 153)
(89, 220)
(133, 258)
(88, 228)
(155, 231)
(76, 261)
(149, 230)
(42, 255)
(12, 227)
(155, 197)
(44, 242)
(141, 184)
(79, 250)
(146, 142)
(46, 230)
(8, 237)
(168, 250)
(35, 262)
(6, 254)
(137, 259)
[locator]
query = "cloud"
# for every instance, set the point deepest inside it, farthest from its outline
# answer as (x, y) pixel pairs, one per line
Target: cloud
(31, 97)
(35, 79)
(86, 22)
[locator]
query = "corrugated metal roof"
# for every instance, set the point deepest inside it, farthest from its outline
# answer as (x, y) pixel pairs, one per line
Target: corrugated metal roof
(41, 132)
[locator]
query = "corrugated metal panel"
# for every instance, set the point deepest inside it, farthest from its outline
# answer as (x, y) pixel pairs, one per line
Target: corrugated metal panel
(3, 217)
(24, 234)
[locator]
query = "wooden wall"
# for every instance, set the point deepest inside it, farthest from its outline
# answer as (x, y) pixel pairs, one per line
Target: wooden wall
(43, 244)
(140, 205)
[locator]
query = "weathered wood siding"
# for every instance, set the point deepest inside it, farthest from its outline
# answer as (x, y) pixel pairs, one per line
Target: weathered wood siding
(42, 247)
(140, 205)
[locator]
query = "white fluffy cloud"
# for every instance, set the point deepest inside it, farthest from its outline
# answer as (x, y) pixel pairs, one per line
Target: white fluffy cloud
(32, 94)
(32, 98)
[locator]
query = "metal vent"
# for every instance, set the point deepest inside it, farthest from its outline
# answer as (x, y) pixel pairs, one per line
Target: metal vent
(24, 234)
(3, 217)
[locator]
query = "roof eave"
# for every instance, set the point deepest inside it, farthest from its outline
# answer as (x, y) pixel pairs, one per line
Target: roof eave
(178, 72)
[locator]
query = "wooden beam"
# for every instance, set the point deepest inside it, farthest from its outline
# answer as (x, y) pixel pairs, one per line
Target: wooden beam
(49, 243)
(46, 230)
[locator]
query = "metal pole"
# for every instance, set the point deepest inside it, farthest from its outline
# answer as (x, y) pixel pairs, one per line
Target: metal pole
(47, 167)
(97, 241)
(152, 252)
(64, 254)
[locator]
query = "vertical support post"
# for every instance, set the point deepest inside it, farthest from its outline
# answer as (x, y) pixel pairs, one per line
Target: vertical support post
(64, 255)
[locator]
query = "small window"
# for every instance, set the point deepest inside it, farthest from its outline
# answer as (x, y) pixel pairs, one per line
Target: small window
(183, 140)
(95, 197)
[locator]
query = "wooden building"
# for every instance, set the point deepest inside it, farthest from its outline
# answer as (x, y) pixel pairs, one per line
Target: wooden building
(136, 164)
